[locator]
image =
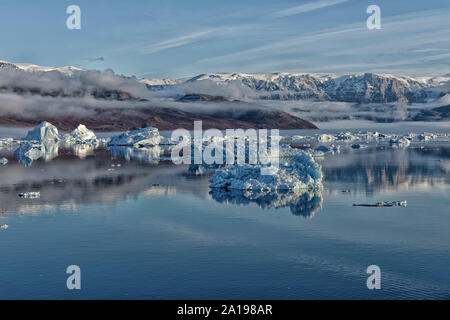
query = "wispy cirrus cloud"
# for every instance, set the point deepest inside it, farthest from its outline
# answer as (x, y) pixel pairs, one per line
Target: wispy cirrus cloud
(185, 39)
(312, 6)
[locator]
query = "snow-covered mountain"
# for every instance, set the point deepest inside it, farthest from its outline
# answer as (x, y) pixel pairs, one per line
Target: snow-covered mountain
(360, 88)
(68, 70)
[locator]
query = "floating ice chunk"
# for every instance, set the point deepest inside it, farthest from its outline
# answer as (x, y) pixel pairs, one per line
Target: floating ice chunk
(302, 173)
(142, 137)
(346, 136)
(45, 132)
(30, 195)
(426, 136)
(4, 226)
(3, 161)
(5, 143)
(81, 135)
(401, 142)
(325, 138)
(402, 203)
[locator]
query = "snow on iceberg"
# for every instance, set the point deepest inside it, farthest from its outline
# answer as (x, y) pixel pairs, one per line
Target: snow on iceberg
(81, 135)
(45, 132)
(142, 137)
(301, 173)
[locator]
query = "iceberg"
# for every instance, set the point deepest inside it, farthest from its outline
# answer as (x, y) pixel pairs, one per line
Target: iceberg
(146, 137)
(81, 135)
(3, 161)
(301, 173)
(29, 152)
(4, 227)
(45, 133)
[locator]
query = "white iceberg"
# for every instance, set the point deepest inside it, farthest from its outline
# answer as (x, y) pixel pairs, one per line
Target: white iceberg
(4, 226)
(302, 173)
(81, 135)
(45, 132)
(3, 161)
(142, 137)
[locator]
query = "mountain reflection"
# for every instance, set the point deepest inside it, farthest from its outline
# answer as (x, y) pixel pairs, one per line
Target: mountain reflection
(82, 176)
(389, 169)
(301, 204)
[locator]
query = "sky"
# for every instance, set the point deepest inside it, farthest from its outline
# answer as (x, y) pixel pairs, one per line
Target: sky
(180, 38)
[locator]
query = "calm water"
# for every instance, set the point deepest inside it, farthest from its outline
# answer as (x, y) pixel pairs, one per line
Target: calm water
(151, 230)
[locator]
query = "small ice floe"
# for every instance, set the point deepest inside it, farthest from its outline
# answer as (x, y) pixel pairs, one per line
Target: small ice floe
(6, 143)
(402, 142)
(426, 136)
(4, 227)
(44, 133)
(345, 136)
(384, 204)
(346, 191)
(3, 161)
(30, 195)
(359, 146)
(146, 137)
(325, 138)
(301, 173)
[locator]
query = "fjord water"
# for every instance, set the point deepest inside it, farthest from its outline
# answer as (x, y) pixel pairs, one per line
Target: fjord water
(153, 231)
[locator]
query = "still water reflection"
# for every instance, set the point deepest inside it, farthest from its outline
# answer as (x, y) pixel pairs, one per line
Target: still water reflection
(141, 227)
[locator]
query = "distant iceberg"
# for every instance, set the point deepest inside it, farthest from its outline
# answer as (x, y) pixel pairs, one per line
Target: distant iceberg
(142, 137)
(301, 173)
(45, 133)
(81, 135)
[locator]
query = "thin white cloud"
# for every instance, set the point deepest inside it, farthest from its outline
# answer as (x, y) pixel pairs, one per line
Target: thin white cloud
(175, 42)
(185, 39)
(312, 6)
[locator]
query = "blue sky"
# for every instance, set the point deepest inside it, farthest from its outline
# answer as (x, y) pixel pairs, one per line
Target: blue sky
(177, 38)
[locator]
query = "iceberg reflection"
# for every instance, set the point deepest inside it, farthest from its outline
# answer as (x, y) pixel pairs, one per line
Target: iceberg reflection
(303, 204)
